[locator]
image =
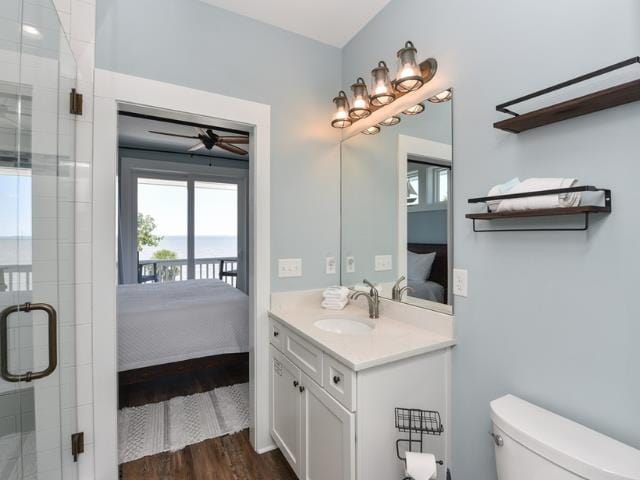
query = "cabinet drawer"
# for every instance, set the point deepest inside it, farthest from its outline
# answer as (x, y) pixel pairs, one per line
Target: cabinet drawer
(340, 382)
(305, 355)
(276, 333)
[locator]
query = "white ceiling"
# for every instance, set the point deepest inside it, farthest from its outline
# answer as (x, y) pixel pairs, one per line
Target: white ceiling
(333, 22)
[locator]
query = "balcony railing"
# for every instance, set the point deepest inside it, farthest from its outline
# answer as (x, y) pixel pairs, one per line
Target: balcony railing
(15, 278)
(157, 271)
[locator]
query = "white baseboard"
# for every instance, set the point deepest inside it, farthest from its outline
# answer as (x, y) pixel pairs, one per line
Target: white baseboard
(273, 446)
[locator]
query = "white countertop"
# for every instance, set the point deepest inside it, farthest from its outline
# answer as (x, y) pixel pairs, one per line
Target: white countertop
(390, 340)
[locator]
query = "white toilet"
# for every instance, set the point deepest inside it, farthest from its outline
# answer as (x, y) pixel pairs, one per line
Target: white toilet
(534, 444)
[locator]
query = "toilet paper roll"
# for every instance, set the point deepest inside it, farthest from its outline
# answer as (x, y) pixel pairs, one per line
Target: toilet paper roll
(421, 466)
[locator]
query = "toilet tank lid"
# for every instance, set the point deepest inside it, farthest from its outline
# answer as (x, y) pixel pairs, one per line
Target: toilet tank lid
(568, 444)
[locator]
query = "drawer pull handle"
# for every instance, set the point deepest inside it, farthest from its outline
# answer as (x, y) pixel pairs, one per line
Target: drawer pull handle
(301, 388)
(336, 379)
(275, 333)
(295, 383)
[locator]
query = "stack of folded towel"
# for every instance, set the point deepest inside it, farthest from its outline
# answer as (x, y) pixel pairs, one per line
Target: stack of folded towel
(561, 200)
(335, 298)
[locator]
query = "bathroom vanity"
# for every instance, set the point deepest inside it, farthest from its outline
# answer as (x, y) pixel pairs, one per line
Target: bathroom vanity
(337, 377)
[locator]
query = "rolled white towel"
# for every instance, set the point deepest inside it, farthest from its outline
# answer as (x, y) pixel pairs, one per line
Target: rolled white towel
(501, 189)
(542, 201)
(333, 304)
(336, 291)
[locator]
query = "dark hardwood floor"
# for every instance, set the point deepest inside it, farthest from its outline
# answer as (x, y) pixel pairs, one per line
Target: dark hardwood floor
(230, 457)
(224, 458)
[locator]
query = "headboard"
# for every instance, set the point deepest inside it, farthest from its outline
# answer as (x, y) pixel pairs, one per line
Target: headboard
(440, 268)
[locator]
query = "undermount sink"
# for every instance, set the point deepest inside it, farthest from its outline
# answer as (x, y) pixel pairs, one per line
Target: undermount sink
(344, 325)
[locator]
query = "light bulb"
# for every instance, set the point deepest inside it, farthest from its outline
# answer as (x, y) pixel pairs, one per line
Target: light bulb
(359, 103)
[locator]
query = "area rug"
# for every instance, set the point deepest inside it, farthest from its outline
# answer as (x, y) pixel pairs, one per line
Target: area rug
(181, 421)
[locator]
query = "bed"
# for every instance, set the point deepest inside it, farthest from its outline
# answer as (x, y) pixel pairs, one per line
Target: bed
(433, 288)
(162, 323)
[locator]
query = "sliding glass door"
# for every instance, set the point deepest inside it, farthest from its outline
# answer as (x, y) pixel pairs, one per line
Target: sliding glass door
(183, 226)
(216, 231)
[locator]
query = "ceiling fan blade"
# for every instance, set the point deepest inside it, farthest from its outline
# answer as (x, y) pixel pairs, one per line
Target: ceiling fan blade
(234, 139)
(196, 147)
(172, 134)
(231, 148)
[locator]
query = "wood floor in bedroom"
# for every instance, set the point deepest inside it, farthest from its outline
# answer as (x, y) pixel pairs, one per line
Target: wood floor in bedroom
(224, 458)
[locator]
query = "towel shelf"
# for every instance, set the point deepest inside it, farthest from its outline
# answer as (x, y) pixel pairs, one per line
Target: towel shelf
(593, 102)
(585, 210)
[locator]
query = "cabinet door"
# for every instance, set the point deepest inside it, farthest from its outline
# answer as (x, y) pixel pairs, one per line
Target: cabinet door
(285, 406)
(328, 436)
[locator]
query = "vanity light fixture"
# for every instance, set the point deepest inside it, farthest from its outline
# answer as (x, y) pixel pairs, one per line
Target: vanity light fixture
(388, 122)
(341, 117)
(372, 130)
(409, 77)
(443, 96)
(381, 88)
(360, 108)
(415, 110)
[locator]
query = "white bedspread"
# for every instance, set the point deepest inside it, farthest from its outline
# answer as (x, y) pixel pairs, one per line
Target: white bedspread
(170, 322)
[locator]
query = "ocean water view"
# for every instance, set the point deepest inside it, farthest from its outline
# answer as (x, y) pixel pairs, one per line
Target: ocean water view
(205, 246)
(18, 251)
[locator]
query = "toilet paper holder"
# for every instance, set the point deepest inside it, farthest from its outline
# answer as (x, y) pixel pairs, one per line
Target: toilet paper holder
(416, 423)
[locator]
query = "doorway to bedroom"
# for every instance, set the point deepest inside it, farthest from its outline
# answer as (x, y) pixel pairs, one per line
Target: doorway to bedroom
(183, 295)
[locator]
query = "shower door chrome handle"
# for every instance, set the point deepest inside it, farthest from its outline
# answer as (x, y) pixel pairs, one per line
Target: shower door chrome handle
(4, 342)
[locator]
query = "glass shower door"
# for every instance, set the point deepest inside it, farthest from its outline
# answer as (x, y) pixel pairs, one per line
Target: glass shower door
(37, 250)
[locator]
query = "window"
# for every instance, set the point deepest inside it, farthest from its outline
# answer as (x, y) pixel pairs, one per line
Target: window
(413, 188)
(216, 230)
(162, 220)
(187, 229)
(427, 186)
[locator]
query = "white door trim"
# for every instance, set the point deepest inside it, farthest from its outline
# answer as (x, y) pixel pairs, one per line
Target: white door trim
(112, 89)
(419, 147)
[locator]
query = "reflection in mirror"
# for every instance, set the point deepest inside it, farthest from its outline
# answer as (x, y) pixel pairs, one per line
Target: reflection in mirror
(396, 215)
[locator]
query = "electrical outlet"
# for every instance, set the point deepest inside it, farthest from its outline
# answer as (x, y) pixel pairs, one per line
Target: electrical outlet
(351, 264)
(330, 265)
(289, 267)
(383, 263)
(460, 282)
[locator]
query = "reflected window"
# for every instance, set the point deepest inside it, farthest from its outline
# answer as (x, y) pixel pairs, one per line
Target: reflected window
(427, 186)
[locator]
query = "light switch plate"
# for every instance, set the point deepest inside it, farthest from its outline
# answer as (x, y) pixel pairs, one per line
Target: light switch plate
(289, 267)
(460, 282)
(330, 265)
(383, 263)
(351, 264)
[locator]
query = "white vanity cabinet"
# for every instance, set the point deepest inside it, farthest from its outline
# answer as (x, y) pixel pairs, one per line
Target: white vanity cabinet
(332, 423)
(314, 432)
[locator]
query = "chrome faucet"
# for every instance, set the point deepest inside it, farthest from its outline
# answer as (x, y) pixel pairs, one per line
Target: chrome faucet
(397, 291)
(373, 299)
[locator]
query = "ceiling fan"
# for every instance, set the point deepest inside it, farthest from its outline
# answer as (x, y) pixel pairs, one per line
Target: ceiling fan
(208, 139)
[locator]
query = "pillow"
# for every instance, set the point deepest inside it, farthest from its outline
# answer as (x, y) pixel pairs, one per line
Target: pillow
(419, 265)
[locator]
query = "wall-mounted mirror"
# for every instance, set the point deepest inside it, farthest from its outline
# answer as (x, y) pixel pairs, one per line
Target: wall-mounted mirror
(396, 208)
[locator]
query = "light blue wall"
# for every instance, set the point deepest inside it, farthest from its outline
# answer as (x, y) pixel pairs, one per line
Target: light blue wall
(551, 317)
(190, 43)
(427, 226)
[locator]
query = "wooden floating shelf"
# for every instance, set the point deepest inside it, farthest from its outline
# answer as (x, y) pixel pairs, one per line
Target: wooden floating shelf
(546, 212)
(593, 102)
(585, 210)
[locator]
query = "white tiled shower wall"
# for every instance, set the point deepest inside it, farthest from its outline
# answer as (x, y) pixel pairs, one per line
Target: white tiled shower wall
(78, 21)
